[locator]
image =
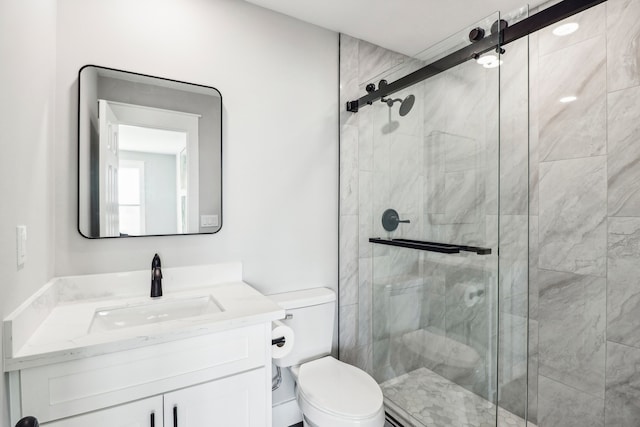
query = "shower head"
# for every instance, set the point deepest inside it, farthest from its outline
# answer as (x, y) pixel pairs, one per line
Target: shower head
(405, 104)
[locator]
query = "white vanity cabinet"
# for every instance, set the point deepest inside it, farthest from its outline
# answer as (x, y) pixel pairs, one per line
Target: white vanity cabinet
(96, 351)
(237, 401)
(218, 379)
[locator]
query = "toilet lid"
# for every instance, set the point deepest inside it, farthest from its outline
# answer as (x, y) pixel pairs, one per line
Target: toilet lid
(338, 388)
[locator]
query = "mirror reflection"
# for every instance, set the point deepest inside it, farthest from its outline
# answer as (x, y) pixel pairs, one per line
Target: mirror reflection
(149, 155)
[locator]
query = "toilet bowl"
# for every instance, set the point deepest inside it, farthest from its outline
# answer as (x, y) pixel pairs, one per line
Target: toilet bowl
(330, 393)
(333, 393)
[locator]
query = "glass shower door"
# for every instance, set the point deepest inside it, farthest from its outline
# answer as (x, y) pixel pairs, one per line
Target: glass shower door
(435, 305)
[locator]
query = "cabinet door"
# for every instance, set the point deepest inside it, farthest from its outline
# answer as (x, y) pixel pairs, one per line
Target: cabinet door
(238, 401)
(142, 413)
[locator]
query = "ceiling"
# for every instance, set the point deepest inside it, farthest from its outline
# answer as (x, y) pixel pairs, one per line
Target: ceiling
(149, 140)
(405, 26)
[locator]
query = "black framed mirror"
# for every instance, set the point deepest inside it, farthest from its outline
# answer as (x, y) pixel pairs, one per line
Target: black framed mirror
(149, 155)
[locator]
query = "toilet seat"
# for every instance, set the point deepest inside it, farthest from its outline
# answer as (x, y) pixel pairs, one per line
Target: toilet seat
(333, 393)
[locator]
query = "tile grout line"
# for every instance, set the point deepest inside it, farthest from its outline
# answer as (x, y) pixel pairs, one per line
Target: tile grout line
(571, 387)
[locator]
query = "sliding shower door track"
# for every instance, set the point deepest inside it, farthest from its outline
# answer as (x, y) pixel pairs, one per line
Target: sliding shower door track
(535, 22)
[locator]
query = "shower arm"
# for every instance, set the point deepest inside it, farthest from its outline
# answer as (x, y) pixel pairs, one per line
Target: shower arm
(393, 101)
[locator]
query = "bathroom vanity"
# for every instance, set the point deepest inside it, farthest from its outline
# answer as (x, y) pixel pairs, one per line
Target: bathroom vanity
(96, 350)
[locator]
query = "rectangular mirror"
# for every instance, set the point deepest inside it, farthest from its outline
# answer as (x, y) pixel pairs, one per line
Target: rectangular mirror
(149, 155)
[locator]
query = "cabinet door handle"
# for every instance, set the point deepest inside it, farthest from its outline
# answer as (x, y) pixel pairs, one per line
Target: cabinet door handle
(153, 419)
(175, 416)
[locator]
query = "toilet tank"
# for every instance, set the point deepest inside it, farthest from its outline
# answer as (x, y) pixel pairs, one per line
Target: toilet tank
(310, 314)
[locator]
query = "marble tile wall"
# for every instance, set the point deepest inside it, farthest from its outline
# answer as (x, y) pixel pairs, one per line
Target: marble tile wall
(559, 405)
(364, 185)
(584, 303)
(430, 166)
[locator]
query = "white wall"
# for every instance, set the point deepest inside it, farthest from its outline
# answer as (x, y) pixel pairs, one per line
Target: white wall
(27, 105)
(279, 82)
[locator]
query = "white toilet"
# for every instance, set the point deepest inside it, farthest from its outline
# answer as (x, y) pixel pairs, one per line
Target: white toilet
(330, 393)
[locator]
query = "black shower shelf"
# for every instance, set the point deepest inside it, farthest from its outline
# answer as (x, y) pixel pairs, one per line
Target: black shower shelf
(444, 248)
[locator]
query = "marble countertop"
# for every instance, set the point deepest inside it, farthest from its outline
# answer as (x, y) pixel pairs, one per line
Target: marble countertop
(54, 325)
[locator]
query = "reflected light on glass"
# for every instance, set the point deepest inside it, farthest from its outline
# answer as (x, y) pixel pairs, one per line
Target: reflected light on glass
(493, 64)
(566, 29)
(489, 61)
(568, 99)
(486, 59)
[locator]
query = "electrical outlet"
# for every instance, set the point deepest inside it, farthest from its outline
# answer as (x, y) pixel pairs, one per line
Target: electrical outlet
(208, 220)
(21, 245)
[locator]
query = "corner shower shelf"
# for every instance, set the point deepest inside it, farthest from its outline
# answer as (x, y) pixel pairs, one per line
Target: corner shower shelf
(444, 248)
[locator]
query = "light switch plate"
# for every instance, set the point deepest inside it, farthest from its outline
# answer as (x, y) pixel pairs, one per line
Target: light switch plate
(21, 245)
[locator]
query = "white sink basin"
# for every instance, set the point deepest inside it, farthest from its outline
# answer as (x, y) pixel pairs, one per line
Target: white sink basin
(152, 311)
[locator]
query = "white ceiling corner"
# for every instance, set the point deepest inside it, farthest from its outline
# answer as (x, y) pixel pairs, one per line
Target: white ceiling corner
(404, 26)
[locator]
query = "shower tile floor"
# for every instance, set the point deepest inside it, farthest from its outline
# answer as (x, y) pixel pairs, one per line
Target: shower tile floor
(430, 400)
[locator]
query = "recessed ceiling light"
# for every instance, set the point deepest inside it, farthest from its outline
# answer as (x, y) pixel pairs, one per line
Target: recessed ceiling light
(486, 59)
(567, 99)
(566, 29)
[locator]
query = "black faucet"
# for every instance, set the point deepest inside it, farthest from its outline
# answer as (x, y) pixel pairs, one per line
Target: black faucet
(156, 277)
(28, 422)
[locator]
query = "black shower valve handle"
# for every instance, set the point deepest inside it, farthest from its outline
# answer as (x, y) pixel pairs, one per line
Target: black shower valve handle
(391, 219)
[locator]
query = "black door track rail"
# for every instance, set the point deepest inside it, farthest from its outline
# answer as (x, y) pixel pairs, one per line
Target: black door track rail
(494, 41)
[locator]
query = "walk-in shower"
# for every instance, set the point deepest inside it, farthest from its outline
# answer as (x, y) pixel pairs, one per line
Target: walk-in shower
(442, 225)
